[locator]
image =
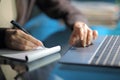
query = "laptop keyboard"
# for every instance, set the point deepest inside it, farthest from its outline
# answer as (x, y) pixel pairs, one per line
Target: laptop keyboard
(108, 53)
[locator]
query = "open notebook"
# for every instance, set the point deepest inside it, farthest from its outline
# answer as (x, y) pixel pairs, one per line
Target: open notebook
(28, 56)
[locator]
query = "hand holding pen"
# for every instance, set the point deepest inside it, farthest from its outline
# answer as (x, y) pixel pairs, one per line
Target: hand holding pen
(19, 39)
(15, 24)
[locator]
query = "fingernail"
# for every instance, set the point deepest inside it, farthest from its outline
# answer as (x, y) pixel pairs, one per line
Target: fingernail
(84, 45)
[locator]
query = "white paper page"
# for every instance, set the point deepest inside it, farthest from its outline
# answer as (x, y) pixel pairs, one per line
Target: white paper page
(29, 55)
(39, 54)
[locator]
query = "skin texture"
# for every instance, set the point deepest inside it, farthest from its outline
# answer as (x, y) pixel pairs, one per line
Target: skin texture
(82, 35)
(18, 40)
(58, 9)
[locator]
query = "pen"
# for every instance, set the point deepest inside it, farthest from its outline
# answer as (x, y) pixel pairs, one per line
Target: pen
(18, 26)
(21, 28)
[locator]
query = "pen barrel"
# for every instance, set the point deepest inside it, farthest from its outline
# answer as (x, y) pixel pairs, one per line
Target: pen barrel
(18, 26)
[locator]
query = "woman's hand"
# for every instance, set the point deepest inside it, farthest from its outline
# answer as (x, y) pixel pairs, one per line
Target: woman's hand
(17, 39)
(82, 35)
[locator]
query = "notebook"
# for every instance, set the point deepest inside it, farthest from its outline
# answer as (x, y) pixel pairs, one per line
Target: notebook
(105, 51)
(25, 67)
(28, 56)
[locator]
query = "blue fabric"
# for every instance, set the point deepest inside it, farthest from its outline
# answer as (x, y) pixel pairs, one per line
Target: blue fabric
(42, 26)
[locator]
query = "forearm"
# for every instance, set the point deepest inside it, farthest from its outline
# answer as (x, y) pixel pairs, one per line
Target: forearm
(61, 9)
(2, 37)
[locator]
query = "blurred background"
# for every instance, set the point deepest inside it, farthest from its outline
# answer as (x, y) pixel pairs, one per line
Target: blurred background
(103, 15)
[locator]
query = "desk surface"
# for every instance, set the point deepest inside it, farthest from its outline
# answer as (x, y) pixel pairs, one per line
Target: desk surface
(57, 71)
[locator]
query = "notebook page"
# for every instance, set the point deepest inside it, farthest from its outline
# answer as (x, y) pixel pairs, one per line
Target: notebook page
(29, 56)
(40, 54)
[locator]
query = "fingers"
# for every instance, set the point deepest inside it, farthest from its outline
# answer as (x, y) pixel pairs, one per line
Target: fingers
(17, 39)
(22, 44)
(78, 29)
(83, 34)
(89, 37)
(84, 41)
(95, 34)
(28, 37)
(73, 39)
(17, 46)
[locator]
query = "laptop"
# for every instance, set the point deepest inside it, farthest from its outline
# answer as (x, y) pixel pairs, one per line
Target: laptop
(105, 51)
